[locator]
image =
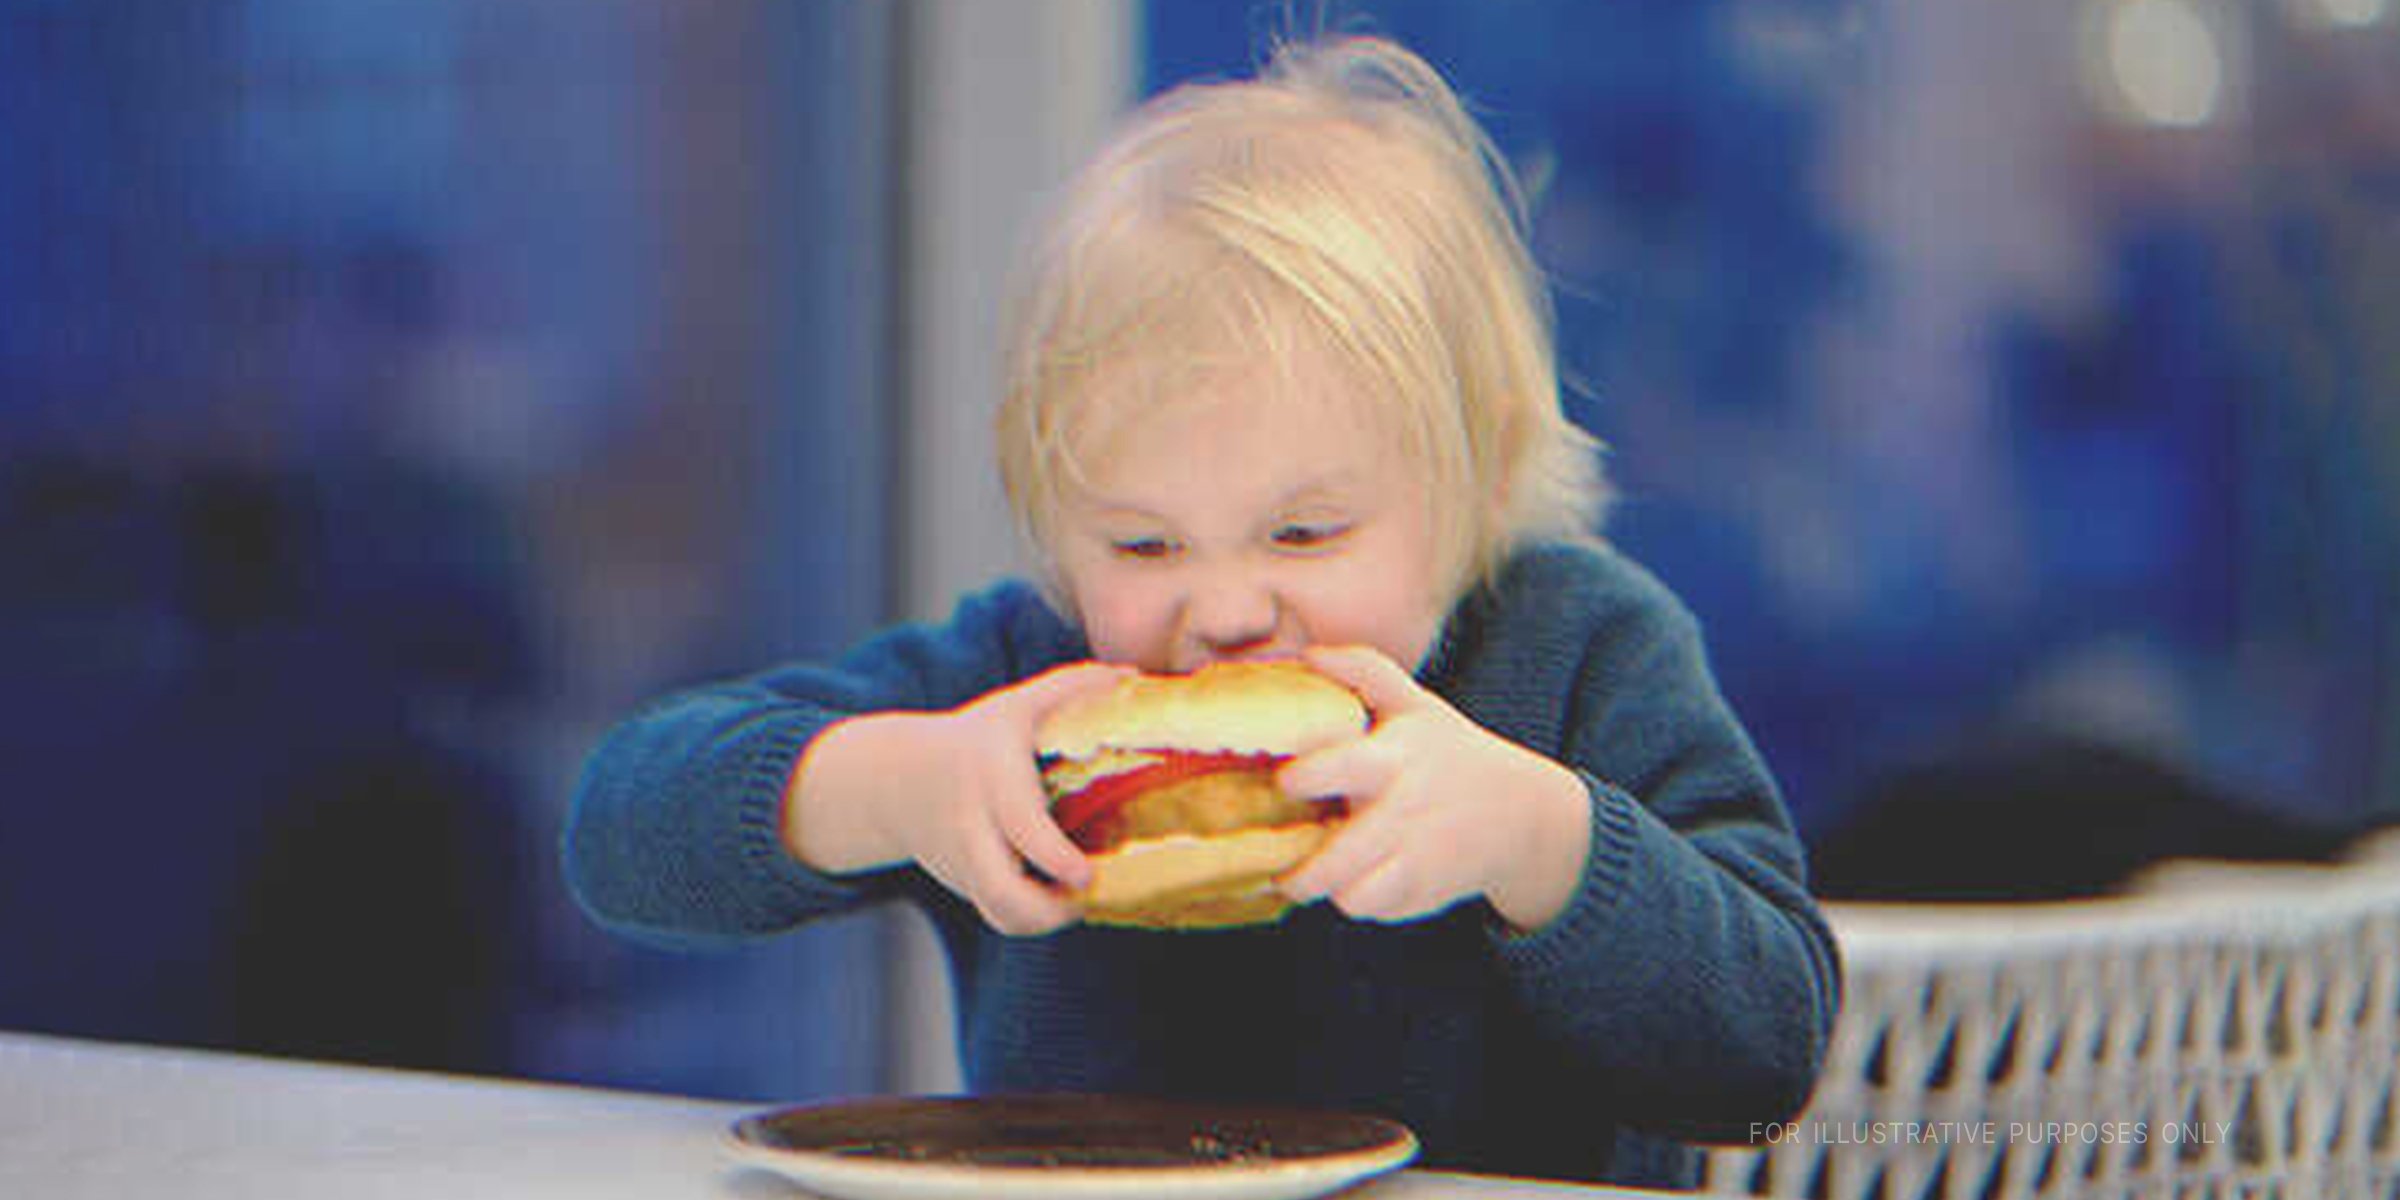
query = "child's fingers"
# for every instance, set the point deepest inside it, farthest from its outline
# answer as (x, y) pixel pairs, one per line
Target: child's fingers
(1026, 822)
(1010, 901)
(1386, 688)
(1034, 698)
(1359, 770)
(1023, 908)
(1382, 893)
(1362, 844)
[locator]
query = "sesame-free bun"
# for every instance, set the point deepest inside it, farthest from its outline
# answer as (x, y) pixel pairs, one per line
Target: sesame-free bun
(1199, 881)
(1199, 851)
(1280, 707)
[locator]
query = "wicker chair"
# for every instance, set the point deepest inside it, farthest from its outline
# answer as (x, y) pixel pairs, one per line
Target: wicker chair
(2219, 1030)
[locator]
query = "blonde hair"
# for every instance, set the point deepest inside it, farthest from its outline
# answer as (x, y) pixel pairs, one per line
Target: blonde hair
(1344, 205)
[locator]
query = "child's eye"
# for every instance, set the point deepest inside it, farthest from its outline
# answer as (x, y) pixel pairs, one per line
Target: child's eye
(1309, 535)
(1144, 547)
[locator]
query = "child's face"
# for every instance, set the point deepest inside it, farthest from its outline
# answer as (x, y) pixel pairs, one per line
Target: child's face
(1250, 521)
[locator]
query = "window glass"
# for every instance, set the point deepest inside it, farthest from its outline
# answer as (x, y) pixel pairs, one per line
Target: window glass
(1977, 372)
(393, 394)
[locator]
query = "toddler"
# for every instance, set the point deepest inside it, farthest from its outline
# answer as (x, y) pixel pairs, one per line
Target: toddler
(1280, 384)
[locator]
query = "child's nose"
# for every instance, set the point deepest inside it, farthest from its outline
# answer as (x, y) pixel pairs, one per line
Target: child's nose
(1231, 614)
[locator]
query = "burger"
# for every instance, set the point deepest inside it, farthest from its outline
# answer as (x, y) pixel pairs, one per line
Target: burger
(1167, 783)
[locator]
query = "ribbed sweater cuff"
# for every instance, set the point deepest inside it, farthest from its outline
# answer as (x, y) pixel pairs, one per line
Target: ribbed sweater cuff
(1598, 894)
(761, 773)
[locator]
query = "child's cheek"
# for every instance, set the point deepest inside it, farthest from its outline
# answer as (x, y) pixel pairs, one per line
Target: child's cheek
(1125, 623)
(1395, 611)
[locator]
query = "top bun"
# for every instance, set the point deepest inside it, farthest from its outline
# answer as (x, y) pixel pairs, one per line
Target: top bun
(1280, 707)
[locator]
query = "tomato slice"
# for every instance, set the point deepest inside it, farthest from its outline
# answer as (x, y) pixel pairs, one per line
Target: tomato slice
(1092, 806)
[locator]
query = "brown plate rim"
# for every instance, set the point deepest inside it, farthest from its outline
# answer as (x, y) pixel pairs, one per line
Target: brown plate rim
(1383, 1144)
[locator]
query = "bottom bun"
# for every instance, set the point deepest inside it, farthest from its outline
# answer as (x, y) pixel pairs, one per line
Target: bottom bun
(1254, 904)
(1185, 881)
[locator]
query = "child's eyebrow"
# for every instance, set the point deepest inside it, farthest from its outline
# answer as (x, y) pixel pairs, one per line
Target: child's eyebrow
(1332, 486)
(1107, 508)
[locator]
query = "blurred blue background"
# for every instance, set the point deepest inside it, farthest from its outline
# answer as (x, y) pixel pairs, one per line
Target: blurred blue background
(394, 392)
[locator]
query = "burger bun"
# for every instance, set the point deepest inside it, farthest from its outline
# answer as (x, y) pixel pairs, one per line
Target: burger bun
(1215, 863)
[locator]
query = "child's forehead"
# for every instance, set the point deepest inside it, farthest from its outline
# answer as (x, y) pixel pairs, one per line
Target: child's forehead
(1232, 455)
(1165, 386)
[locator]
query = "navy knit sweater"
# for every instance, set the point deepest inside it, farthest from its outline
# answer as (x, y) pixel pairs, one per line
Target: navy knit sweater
(1686, 992)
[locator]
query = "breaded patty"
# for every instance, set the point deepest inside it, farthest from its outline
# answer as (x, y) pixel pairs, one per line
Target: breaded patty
(1218, 803)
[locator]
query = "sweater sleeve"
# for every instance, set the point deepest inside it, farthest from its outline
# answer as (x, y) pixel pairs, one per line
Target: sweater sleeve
(1691, 973)
(675, 833)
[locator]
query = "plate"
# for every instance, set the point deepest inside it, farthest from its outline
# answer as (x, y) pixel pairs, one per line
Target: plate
(1068, 1146)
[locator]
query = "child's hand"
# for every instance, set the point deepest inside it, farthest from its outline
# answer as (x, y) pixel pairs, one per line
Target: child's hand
(958, 792)
(1442, 809)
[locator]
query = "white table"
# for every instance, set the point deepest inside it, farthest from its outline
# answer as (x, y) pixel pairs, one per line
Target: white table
(116, 1122)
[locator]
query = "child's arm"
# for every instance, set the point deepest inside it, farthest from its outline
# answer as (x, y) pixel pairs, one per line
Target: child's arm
(1591, 785)
(1690, 972)
(678, 827)
(955, 792)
